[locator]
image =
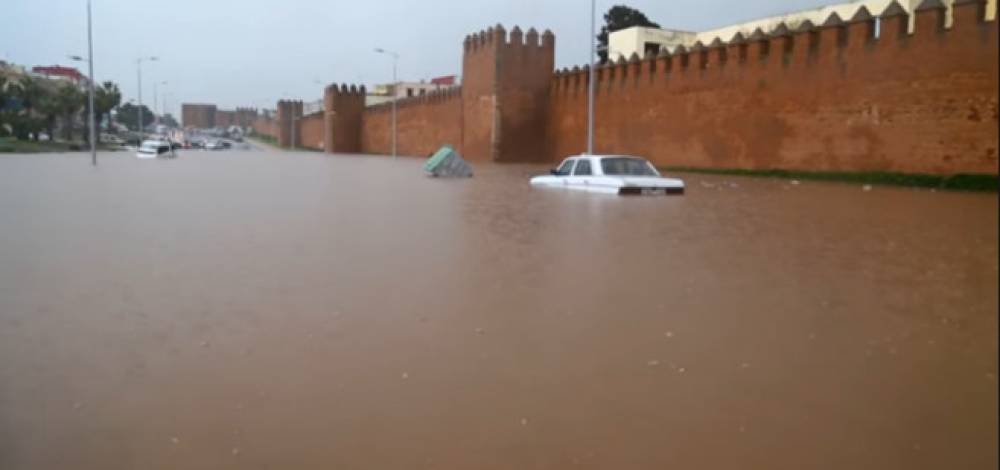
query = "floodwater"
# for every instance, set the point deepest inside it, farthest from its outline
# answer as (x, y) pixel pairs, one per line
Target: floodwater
(274, 310)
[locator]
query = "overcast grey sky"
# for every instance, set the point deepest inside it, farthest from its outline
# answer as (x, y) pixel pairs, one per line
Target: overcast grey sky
(253, 52)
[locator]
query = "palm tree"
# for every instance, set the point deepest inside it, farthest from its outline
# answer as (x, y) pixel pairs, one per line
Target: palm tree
(106, 97)
(49, 108)
(30, 92)
(70, 101)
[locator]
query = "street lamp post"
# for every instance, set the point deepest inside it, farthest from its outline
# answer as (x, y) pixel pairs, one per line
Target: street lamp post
(590, 89)
(164, 109)
(395, 93)
(156, 103)
(138, 66)
(91, 122)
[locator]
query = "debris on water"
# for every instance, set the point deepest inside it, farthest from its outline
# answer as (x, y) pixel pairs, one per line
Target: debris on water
(175, 440)
(795, 182)
(204, 344)
(745, 365)
(892, 351)
(77, 405)
(706, 184)
(524, 421)
(405, 375)
(812, 336)
(734, 185)
(653, 363)
(990, 376)
(447, 162)
(681, 370)
(480, 331)
(669, 334)
(743, 428)
(866, 188)
(236, 451)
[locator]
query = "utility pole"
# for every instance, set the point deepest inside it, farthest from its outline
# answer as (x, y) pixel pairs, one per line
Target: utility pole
(156, 103)
(90, 62)
(138, 66)
(292, 124)
(395, 94)
(590, 90)
(91, 121)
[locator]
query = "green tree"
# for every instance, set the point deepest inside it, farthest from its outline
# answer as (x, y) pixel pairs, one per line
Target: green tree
(617, 18)
(50, 109)
(106, 97)
(169, 121)
(128, 114)
(71, 101)
(4, 95)
(29, 92)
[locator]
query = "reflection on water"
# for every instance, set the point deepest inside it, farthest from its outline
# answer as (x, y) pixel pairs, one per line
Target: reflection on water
(264, 310)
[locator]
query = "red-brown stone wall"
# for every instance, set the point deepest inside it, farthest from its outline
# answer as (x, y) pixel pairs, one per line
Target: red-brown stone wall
(310, 131)
(344, 107)
(524, 72)
(925, 103)
(268, 127)
(424, 124)
(480, 106)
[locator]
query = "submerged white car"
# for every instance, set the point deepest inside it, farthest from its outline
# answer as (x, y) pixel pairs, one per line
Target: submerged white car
(156, 148)
(610, 174)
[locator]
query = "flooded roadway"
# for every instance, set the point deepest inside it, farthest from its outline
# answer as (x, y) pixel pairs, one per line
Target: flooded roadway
(297, 311)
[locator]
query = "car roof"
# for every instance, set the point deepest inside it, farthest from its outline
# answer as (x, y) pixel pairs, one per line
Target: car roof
(606, 156)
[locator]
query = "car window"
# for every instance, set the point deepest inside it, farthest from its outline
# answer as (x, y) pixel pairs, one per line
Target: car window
(624, 166)
(566, 168)
(583, 168)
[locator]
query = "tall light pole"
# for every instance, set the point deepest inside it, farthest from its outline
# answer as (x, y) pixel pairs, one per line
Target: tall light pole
(590, 90)
(156, 103)
(91, 122)
(395, 93)
(164, 108)
(138, 66)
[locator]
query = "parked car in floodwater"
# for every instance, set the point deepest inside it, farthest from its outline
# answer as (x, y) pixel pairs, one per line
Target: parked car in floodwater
(609, 174)
(156, 148)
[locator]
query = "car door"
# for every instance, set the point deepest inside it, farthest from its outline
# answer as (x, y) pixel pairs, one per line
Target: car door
(582, 173)
(563, 174)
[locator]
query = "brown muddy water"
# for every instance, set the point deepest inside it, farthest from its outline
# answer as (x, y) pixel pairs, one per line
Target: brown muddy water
(267, 310)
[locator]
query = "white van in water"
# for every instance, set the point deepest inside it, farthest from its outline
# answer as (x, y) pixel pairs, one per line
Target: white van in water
(156, 148)
(610, 174)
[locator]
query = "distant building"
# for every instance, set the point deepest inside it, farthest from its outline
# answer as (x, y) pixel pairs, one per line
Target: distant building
(311, 107)
(224, 119)
(208, 116)
(641, 41)
(198, 116)
(447, 80)
(58, 72)
(382, 93)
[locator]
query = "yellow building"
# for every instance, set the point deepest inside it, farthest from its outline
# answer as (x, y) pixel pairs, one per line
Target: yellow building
(640, 40)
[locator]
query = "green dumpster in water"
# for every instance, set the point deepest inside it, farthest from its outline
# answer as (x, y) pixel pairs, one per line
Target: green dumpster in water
(447, 162)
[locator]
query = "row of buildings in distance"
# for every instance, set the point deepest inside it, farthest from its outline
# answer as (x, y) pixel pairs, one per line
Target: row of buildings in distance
(207, 116)
(643, 41)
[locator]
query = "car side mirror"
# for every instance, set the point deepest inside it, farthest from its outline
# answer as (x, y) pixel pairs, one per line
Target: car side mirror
(554, 171)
